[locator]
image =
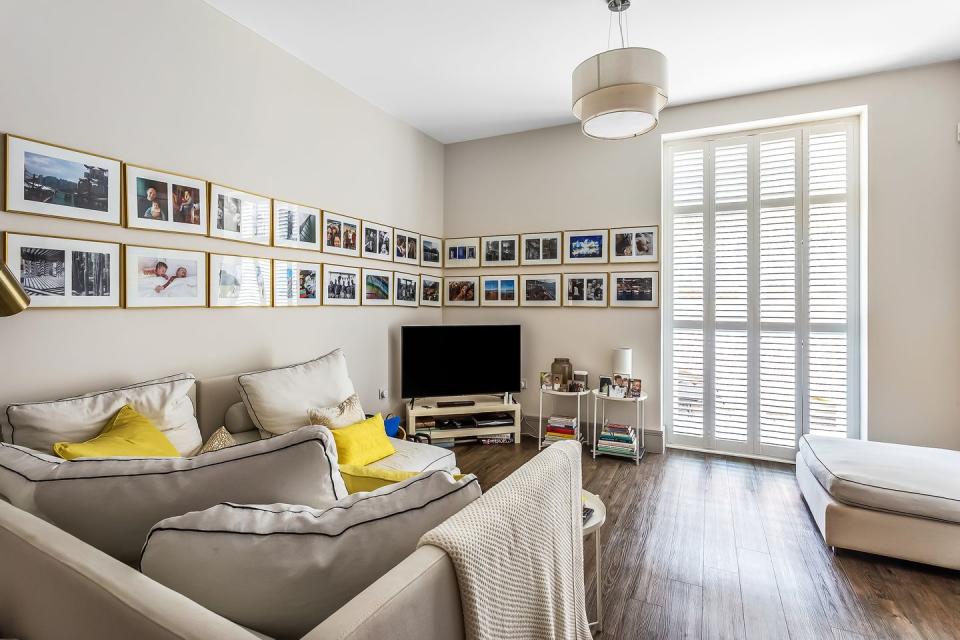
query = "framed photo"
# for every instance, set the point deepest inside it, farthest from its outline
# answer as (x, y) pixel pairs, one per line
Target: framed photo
(540, 290)
(65, 272)
(499, 251)
(431, 251)
(377, 241)
(604, 385)
(161, 201)
(296, 284)
(159, 277)
(341, 285)
(430, 291)
(461, 291)
(239, 215)
(341, 234)
(635, 244)
(240, 281)
(462, 252)
(620, 387)
(635, 289)
(296, 226)
(585, 247)
(406, 247)
(585, 289)
(635, 388)
(498, 291)
(377, 287)
(540, 248)
(405, 287)
(50, 180)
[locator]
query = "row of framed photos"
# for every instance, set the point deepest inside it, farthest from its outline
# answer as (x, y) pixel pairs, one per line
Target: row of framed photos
(74, 273)
(46, 179)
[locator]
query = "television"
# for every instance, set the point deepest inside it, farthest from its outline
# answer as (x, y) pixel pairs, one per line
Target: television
(459, 360)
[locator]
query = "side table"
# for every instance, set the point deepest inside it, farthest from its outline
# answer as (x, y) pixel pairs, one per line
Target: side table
(593, 525)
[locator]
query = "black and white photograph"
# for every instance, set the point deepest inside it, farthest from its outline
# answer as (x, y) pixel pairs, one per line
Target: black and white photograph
(162, 201)
(239, 215)
(65, 272)
(430, 291)
(377, 241)
(296, 226)
(498, 291)
(431, 251)
(341, 234)
(499, 251)
(635, 244)
(635, 289)
(296, 284)
(405, 289)
(341, 285)
(406, 246)
(585, 289)
(49, 180)
(377, 288)
(159, 277)
(540, 290)
(462, 252)
(240, 281)
(461, 291)
(540, 248)
(585, 247)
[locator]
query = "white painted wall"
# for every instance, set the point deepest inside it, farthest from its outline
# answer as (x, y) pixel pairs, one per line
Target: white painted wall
(555, 178)
(179, 86)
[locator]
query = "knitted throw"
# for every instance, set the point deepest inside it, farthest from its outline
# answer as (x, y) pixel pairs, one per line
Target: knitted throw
(518, 553)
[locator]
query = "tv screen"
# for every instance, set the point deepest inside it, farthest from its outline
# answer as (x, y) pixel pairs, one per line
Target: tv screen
(459, 360)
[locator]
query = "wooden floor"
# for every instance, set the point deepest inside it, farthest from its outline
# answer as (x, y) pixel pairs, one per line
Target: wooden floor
(704, 546)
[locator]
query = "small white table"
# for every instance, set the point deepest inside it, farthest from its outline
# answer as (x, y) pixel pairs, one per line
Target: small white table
(592, 525)
(638, 425)
(565, 394)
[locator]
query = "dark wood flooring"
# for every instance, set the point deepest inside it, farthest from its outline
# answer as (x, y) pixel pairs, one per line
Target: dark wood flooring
(706, 546)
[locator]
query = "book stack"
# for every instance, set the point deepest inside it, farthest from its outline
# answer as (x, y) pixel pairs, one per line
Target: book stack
(561, 428)
(619, 439)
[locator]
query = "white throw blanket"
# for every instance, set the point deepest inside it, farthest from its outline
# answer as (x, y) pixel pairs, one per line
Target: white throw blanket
(518, 552)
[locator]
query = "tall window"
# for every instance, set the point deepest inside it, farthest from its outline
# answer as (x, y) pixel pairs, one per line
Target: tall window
(760, 283)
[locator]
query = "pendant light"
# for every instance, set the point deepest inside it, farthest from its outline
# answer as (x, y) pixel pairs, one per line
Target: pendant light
(619, 93)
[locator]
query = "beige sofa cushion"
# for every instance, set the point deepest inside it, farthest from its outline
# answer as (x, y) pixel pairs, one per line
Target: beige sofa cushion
(281, 569)
(111, 503)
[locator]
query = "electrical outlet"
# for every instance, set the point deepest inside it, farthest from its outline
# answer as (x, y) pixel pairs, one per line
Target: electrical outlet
(382, 393)
(523, 384)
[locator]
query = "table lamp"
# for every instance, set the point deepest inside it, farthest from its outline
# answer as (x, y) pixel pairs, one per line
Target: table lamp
(623, 361)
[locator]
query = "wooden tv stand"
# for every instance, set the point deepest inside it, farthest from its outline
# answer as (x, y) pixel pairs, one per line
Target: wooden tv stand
(427, 408)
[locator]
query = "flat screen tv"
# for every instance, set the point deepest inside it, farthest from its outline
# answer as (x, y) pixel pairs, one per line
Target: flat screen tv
(459, 360)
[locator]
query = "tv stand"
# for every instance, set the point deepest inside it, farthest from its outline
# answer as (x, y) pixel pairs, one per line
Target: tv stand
(476, 407)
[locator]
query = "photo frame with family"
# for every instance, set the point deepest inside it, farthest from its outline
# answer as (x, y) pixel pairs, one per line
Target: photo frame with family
(540, 290)
(585, 247)
(499, 251)
(635, 289)
(67, 273)
(461, 291)
(431, 291)
(405, 286)
(377, 241)
(406, 247)
(498, 291)
(49, 180)
(341, 285)
(585, 289)
(341, 234)
(540, 248)
(462, 252)
(296, 226)
(377, 288)
(239, 215)
(240, 281)
(431, 251)
(159, 277)
(163, 201)
(296, 284)
(635, 244)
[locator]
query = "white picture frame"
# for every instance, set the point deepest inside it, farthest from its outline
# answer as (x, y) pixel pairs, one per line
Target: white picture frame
(534, 246)
(240, 281)
(406, 247)
(341, 285)
(296, 226)
(62, 182)
(377, 241)
(179, 201)
(644, 294)
(540, 290)
(635, 244)
(461, 291)
(160, 277)
(431, 251)
(461, 252)
(499, 251)
(341, 234)
(377, 288)
(239, 215)
(431, 290)
(296, 284)
(585, 289)
(499, 291)
(589, 246)
(406, 289)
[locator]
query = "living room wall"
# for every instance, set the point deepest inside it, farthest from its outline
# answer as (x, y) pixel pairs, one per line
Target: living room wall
(179, 86)
(555, 178)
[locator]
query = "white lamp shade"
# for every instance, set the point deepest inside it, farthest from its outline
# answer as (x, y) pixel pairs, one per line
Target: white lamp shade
(623, 361)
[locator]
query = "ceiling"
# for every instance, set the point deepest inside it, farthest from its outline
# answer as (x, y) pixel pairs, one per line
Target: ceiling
(464, 70)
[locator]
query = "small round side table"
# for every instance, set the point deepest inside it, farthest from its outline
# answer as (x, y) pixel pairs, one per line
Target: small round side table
(593, 525)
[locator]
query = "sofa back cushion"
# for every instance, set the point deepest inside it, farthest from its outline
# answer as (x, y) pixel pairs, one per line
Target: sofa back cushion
(111, 503)
(282, 569)
(165, 401)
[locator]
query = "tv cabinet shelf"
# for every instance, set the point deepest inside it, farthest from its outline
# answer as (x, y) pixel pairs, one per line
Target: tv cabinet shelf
(427, 409)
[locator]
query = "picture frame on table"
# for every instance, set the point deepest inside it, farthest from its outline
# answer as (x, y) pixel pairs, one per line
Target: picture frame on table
(585, 289)
(638, 289)
(163, 201)
(604, 384)
(405, 289)
(461, 291)
(499, 251)
(620, 388)
(406, 247)
(296, 284)
(540, 290)
(238, 215)
(462, 252)
(634, 388)
(377, 288)
(341, 285)
(65, 273)
(160, 277)
(240, 281)
(296, 226)
(341, 234)
(431, 251)
(541, 248)
(635, 244)
(377, 241)
(498, 291)
(45, 179)
(431, 290)
(585, 247)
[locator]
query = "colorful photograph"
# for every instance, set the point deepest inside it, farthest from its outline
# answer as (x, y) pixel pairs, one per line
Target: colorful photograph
(541, 290)
(636, 244)
(406, 247)
(585, 246)
(635, 289)
(152, 199)
(377, 287)
(341, 285)
(462, 292)
(431, 253)
(430, 287)
(158, 277)
(498, 291)
(296, 284)
(462, 252)
(341, 234)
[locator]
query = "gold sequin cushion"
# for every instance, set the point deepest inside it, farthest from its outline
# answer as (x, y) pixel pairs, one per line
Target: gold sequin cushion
(344, 414)
(221, 439)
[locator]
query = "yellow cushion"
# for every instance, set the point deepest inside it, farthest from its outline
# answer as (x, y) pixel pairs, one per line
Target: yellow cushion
(127, 434)
(359, 478)
(363, 442)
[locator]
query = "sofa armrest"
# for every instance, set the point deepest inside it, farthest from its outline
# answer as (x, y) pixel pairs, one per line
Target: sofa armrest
(419, 599)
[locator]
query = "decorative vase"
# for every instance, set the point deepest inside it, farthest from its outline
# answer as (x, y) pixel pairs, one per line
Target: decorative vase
(562, 367)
